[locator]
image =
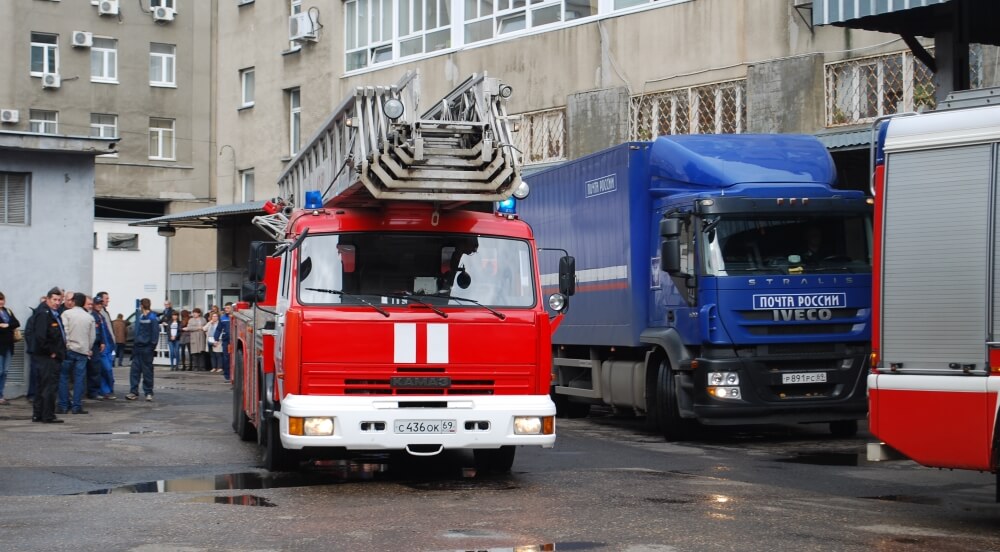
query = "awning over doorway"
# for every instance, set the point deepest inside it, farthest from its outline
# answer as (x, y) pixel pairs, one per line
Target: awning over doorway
(209, 217)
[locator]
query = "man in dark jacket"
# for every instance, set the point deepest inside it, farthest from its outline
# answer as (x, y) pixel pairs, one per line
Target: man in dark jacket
(147, 333)
(48, 352)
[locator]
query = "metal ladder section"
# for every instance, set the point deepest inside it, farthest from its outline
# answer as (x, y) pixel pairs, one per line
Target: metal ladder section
(458, 151)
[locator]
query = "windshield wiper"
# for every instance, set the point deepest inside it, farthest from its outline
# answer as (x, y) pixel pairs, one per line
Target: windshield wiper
(499, 315)
(409, 296)
(353, 296)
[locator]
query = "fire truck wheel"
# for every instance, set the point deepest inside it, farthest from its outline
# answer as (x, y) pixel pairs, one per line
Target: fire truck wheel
(276, 458)
(494, 461)
(844, 428)
(241, 422)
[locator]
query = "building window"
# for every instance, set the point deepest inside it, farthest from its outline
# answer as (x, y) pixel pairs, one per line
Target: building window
(369, 31)
(711, 109)
(162, 4)
(246, 185)
(44, 54)
(860, 90)
(104, 60)
(103, 125)
(126, 242)
(246, 87)
(542, 138)
(161, 139)
(162, 71)
(13, 198)
(294, 120)
(424, 26)
(43, 122)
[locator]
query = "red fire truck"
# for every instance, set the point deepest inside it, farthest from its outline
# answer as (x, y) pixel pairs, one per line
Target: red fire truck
(401, 310)
(936, 305)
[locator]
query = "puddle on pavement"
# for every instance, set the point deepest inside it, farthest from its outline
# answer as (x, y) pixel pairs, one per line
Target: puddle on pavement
(143, 432)
(909, 499)
(825, 459)
(554, 547)
(238, 500)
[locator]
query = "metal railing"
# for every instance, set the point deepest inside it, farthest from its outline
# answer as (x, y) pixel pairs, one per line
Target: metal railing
(718, 108)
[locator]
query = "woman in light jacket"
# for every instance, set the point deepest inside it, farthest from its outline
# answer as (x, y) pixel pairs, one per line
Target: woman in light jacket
(213, 323)
(195, 328)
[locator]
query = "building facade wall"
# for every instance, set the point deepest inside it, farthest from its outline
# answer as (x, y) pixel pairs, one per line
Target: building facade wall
(127, 273)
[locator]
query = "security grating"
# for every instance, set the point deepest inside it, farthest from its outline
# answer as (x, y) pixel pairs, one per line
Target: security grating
(718, 108)
(542, 136)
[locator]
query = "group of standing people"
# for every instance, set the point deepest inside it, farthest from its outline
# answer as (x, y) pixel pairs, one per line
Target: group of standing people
(197, 342)
(72, 342)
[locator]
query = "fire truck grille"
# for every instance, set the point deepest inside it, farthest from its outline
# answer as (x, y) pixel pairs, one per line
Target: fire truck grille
(383, 387)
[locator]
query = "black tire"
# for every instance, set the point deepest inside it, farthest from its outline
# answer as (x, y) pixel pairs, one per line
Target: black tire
(844, 428)
(241, 422)
(494, 461)
(654, 398)
(673, 427)
(276, 458)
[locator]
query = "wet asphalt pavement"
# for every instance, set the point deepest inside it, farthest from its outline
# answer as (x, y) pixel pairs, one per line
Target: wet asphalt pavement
(171, 475)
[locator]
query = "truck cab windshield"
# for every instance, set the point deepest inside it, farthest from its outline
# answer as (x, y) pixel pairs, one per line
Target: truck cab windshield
(737, 245)
(398, 268)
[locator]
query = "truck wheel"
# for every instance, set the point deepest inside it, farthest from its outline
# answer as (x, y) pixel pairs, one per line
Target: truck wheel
(494, 460)
(276, 458)
(654, 399)
(241, 422)
(674, 427)
(844, 428)
(565, 408)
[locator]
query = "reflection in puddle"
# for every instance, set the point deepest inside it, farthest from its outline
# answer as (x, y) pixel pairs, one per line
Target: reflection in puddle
(238, 500)
(907, 498)
(825, 458)
(557, 547)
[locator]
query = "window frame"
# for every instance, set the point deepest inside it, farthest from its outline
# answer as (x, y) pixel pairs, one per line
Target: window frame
(168, 63)
(246, 182)
(172, 4)
(33, 120)
(48, 49)
(244, 74)
(161, 133)
(109, 60)
(134, 239)
(5, 205)
(294, 120)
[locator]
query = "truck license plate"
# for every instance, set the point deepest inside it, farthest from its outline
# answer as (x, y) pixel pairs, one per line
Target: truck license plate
(425, 426)
(803, 377)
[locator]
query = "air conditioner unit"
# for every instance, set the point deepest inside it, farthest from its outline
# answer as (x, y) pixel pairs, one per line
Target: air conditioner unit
(9, 116)
(51, 80)
(83, 39)
(161, 13)
(107, 7)
(301, 26)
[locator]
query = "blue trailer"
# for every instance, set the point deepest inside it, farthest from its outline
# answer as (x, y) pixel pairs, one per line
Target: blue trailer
(721, 279)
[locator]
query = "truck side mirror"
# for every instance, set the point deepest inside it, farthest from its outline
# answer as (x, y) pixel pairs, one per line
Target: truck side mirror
(567, 275)
(259, 251)
(670, 255)
(252, 292)
(670, 227)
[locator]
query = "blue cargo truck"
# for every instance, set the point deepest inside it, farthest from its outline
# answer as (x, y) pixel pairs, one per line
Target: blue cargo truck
(721, 280)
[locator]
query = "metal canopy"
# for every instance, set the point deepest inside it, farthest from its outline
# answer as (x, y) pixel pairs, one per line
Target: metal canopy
(912, 17)
(208, 217)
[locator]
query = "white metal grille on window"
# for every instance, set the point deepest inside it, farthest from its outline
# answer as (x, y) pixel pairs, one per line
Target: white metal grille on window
(542, 137)
(711, 109)
(13, 198)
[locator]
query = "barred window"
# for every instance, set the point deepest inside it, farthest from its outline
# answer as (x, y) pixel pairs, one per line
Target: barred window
(14, 190)
(861, 90)
(542, 136)
(710, 109)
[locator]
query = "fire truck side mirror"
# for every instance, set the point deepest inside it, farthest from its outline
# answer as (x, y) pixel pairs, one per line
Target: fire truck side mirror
(567, 275)
(252, 292)
(259, 251)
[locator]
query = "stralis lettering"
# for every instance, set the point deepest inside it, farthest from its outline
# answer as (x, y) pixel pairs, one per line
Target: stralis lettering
(603, 185)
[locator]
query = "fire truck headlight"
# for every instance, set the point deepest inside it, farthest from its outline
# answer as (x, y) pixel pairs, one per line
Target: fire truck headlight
(317, 426)
(725, 392)
(557, 302)
(534, 425)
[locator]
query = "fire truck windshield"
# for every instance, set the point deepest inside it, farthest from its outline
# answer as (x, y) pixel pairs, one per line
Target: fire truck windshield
(734, 245)
(396, 268)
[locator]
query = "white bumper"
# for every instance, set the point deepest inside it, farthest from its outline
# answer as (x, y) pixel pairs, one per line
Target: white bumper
(369, 423)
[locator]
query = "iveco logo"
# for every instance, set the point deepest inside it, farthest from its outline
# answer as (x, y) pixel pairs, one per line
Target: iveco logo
(818, 280)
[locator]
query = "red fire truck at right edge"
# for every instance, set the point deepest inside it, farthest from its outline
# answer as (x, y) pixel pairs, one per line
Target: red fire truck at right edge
(936, 285)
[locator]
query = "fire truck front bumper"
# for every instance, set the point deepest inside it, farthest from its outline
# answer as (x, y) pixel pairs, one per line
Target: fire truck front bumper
(417, 424)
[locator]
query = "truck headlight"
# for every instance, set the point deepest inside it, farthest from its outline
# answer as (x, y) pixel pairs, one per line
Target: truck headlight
(725, 392)
(534, 425)
(314, 427)
(723, 378)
